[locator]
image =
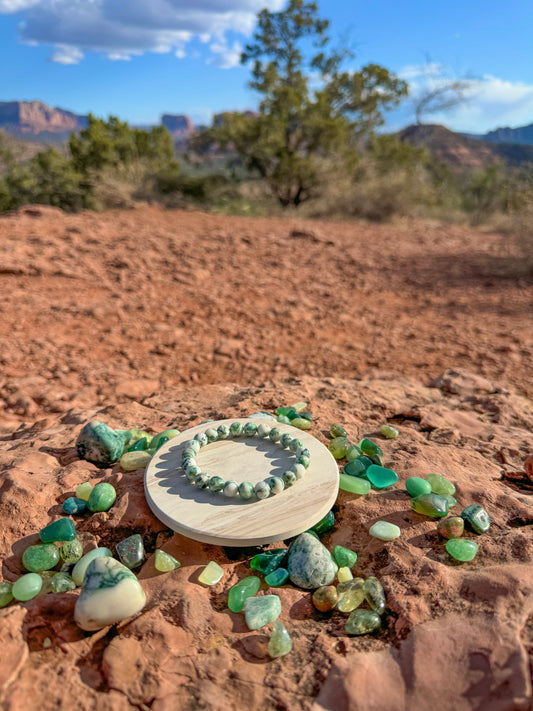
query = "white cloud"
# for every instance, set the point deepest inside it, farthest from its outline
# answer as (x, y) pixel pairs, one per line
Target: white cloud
(490, 101)
(123, 29)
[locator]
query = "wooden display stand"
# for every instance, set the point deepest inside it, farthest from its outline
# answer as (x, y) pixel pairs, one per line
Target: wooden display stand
(215, 518)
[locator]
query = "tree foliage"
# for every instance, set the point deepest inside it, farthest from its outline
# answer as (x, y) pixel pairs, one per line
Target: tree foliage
(311, 108)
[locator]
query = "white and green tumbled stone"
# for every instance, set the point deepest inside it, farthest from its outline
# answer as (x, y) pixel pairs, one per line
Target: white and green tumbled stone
(304, 460)
(310, 564)
(81, 566)
(27, 587)
(100, 444)
(211, 574)
(280, 642)
(260, 611)
(110, 593)
(194, 445)
(71, 551)
(164, 562)
(384, 531)
(62, 582)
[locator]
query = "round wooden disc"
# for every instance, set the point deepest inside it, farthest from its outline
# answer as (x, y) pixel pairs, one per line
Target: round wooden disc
(215, 518)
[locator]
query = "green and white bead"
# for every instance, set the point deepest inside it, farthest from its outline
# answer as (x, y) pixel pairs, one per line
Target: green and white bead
(275, 434)
(235, 429)
(299, 470)
(263, 430)
(223, 431)
(262, 490)
(250, 429)
(211, 434)
(193, 445)
(295, 445)
(230, 489)
(289, 478)
(202, 480)
(246, 490)
(201, 437)
(216, 483)
(285, 439)
(276, 484)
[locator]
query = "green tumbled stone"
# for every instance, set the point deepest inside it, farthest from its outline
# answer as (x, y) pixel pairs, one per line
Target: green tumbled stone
(283, 420)
(79, 570)
(286, 410)
(352, 453)
(440, 485)
(338, 446)
(389, 432)
(71, 551)
(260, 611)
(350, 594)
(211, 574)
(246, 490)
(73, 505)
(325, 524)
(357, 467)
(430, 505)
(452, 527)
(277, 577)
(156, 441)
(239, 593)
(99, 444)
(344, 557)
(461, 549)
(374, 594)
(47, 577)
(384, 531)
(306, 416)
(268, 561)
(451, 501)
(354, 485)
(61, 530)
(362, 622)
(337, 431)
(27, 587)
(6, 594)
(299, 406)
(131, 551)
(301, 423)
(83, 491)
(280, 642)
(416, 486)
(369, 448)
(62, 582)
(139, 445)
(102, 497)
(381, 477)
(250, 429)
(476, 519)
(131, 461)
(164, 562)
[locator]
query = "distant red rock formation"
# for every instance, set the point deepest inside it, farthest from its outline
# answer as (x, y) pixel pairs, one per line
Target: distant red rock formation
(32, 118)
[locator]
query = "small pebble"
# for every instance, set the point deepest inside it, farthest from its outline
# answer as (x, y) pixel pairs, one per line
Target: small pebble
(61, 530)
(83, 491)
(351, 594)
(280, 642)
(389, 432)
(268, 561)
(353, 452)
(6, 593)
(476, 519)
(164, 562)
(62, 582)
(277, 577)
(362, 622)
(260, 611)
(71, 551)
(344, 575)
(374, 594)
(27, 587)
(325, 524)
(337, 431)
(131, 461)
(440, 485)
(462, 549)
(354, 485)
(102, 497)
(384, 531)
(40, 557)
(381, 477)
(78, 573)
(131, 551)
(239, 593)
(416, 486)
(73, 505)
(430, 505)
(211, 574)
(338, 446)
(325, 598)
(344, 557)
(301, 423)
(451, 527)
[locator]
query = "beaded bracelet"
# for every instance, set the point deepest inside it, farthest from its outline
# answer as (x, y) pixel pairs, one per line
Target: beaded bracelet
(245, 490)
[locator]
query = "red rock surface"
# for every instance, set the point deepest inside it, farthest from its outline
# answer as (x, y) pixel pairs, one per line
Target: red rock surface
(270, 320)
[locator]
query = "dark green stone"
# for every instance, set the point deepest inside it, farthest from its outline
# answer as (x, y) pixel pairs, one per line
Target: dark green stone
(139, 446)
(369, 448)
(286, 411)
(73, 505)
(325, 524)
(62, 530)
(277, 577)
(40, 557)
(374, 594)
(268, 561)
(430, 505)
(357, 466)
(362, 622)
(476, 519)
(102, 497)
(344, 557)
(160, 442)
(100, 444)
(131, 551)
(238, 594)
(381, 477)
(306, 416)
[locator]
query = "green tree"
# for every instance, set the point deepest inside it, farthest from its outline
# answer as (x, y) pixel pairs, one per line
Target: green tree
(297, 127)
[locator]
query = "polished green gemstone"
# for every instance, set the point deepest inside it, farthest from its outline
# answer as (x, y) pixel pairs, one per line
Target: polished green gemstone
(102, 497)
(268, 561)
(462, 549)
(354, 485)
(164, 562)
(350, 594)
(140, 445)
(157, 440)
(353, 452)
(344, 557)
(381, 477)
(275, 434)
(301, 423)
(235, 429)
(212, 434)
(451, 501)
(83, 491)
(202, 440)
(357, 467)
(286, 411)
(238, 594)
(79, 570)
(71, 551)
(73, 505)
(211, 574)
(223, 431)
(27, 587)
(440, 485)
(131, 551)
(476, 519)
(384, 531)
(100, 444)
(47, 577)
(416, 486)
(338, 446)
(286, 439)
(369, 448)
(6, 594)
(295, 445)
(337, 431)
(344, 575)
(304, 459)
(246, 490)
(250, 429)
(131, 461)
(216, 483)
(430, 505)
(62, 582)
(260, 611)
(299, 406)
(325, 524)
(277, 577)
(389, 432)
(283, 420)
(62, 530)
(451, 527)
(289, 478)
(306, 416)
(362, 622)
(280, 642)
(374, 594)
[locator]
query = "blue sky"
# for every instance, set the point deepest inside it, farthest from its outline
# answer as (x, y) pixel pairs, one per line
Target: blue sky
(141, 58)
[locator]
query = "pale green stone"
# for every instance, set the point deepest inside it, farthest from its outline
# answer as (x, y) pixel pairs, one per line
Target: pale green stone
(299, 406)
(362, 622)
(280, 642)
(62, 582)
(164, 562)
(337, 431)
(239, 593)
(354, 485)
(131, 461)
(301, 423)
(260, 611)
(440, 485)
(263, 430)
(6, 594)
(344, 574)
(27, 587)
(389, 432)
(462, 549)
(102, 497)
(374, 593)
(350, 594)
(211, 574)
(83, 491)
(47, 577)
(385, 531)
(338, 446)
(353, 452)
(40, 557)
(81, 566)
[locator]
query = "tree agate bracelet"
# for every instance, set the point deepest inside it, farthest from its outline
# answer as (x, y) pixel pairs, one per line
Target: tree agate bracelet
(245, 490)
